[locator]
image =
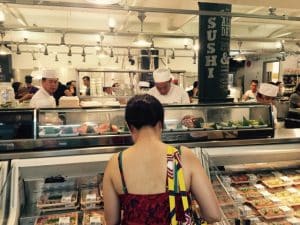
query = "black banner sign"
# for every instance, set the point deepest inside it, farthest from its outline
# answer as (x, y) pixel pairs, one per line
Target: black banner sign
(213, 57)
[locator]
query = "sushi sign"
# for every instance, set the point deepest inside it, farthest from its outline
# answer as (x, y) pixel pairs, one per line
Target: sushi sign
(214, 37)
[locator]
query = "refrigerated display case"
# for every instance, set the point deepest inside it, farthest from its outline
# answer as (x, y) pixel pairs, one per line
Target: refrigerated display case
(262, 182)
(53, 189)
(4, 185)
(69, 128)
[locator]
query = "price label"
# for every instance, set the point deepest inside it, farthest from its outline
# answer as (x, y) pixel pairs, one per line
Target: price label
(274, 199)
(66, 198)
(292, 190)
(95, 220)
(91, 197)
(64, 221)
(285, 208)
(259, 186)
(265, 193)
(285, 178)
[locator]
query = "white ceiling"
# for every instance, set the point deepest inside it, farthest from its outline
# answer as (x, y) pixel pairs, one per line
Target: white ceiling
(83, 21)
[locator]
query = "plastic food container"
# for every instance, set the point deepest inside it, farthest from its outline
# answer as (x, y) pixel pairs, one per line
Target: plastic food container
(90, 198)
(171, 124)
(49, 131)
(93, 217)
(57, 200)
(58, 219)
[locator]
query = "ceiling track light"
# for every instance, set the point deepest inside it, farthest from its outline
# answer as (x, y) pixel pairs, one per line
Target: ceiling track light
(111, 52)
(70, 51)
(33, 56)
(111, 24)
(83, 59)
(46, 50)
(62, 40)
(83, 54)
(173, 54)
(18, 49)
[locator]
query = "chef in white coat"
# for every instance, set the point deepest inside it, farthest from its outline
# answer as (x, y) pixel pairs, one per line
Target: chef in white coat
(267, 94)
(43, 98)
(165, 91)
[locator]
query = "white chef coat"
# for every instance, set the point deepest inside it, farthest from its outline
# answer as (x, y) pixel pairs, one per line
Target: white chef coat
(251, 96)
(42, 99)
(176, 95)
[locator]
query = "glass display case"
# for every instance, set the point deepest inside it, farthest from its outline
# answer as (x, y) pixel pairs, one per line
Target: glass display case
(4, 185)
(69, 128)
(257, 184)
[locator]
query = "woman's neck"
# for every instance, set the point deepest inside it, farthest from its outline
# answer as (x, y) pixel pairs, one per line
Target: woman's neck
(147, 136)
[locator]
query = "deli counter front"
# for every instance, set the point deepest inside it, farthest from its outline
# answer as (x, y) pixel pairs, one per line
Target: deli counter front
(66, 129)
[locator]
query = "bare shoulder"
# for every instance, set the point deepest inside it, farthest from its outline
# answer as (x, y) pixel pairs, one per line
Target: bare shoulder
(187, 153)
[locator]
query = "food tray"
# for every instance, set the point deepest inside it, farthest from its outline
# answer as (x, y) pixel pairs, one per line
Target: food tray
(244, 127)
(90, 198)
(49, 131)
(275, 182)
(261, 203)
(260, 126)
(225, 200)
(93, 217)
(57, 200)
(58, 219)
(294, 201)
(272, 213)
(239, 179)
(69, 131)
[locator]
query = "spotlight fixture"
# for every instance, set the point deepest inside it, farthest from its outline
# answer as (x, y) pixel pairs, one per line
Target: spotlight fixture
(3, 49)
(111, 52)
(282, 48)
(185, 43)
(83, 59)
(142, 40)
(62, 40)
(173, 54)
(117, 60)
(111, 24)
(152, 45)
(33, 56)
(194, 57)
(56, 58)
(70, 51)
(46, 50)
(18, 50)
(272, 11)
(83, 54)
(25, 35)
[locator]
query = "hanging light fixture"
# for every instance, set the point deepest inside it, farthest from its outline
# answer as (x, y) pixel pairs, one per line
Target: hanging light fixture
(3, 49)
(152, 45)
(142, 39)
(101, 53)
(83, 59)
(18, 50)
(117, 60)
(2, 16)
(46, 50)
(25, 35)
(185, 43)
(168, 60)
(282, 48)
(62, 40)
(194, 57)
(239, 57)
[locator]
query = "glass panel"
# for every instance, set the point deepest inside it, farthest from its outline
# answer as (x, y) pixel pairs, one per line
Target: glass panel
(4, 192)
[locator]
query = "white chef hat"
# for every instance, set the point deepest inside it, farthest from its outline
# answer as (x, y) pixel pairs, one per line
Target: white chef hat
(50, 74)
(144, 84)
(268, 89)
(161, 75)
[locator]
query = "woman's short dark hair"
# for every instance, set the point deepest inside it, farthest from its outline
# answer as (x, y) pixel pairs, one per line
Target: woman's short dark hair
(143, 110)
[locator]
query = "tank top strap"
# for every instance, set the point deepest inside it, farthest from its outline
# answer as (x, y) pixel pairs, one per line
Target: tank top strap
(120, 162)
